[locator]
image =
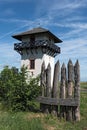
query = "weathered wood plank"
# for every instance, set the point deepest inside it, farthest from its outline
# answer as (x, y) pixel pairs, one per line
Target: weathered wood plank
(54, 101)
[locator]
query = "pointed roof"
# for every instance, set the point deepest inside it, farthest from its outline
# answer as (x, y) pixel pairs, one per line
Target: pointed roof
(37, 31)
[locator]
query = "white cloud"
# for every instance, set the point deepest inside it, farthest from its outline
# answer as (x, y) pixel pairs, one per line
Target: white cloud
(67, 5)
(75, 49)
(59, 8)
(72, 25)
(8, 56)
(75, 18)
(22, 24)
(15, 20)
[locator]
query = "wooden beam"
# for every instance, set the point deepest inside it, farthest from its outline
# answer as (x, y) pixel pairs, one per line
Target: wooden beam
(54, 101)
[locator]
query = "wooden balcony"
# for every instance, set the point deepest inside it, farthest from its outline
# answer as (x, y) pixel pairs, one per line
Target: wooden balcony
(45, 45)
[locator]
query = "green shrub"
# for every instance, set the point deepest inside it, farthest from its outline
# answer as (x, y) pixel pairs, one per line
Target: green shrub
(15, 92)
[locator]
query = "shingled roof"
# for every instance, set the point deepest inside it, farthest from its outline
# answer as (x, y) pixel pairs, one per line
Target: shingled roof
(37, 31)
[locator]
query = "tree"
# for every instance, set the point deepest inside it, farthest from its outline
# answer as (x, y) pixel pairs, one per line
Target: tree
(15, 92)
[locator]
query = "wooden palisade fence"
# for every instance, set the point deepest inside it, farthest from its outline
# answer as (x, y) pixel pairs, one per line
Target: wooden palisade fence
(63, 98)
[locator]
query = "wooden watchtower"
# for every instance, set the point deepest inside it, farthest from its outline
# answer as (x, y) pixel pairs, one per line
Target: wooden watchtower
(35, 46)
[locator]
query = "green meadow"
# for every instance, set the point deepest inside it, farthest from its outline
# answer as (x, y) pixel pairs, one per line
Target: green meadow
(38, 121)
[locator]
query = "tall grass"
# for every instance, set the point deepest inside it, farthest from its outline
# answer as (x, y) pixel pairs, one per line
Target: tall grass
(64, 125)
(16, 121)
(38, 121)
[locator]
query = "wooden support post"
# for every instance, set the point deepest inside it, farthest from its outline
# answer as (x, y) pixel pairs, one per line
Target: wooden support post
(56, 79)
(63, 89)
(43, 79)
(70, 89)
(70, 79)
(48, 88)
(63, 82)
(43, 84)
(55, 87)
(77, 89)
(48, 81)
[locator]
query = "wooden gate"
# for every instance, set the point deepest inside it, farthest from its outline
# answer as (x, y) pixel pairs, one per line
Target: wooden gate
(63, 98)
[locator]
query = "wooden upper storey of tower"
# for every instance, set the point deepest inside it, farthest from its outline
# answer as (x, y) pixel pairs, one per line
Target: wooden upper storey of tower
(37, 38)
(35, 32)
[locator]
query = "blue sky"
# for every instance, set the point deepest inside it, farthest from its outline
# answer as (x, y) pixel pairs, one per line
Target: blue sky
(67, 19)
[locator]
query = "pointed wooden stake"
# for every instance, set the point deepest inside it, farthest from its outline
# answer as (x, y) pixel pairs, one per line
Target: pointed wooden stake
(63, 90)
(55, 87)
(63, 82)
(56, 79)
(77, 89)
(43, 78)
(48, 81)
(70, 78)
(70, 89)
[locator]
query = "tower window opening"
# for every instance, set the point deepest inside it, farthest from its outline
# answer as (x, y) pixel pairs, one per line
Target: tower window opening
(32, 64)
(32, 39)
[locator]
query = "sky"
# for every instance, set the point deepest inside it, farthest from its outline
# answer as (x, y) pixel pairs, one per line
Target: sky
(67, 19)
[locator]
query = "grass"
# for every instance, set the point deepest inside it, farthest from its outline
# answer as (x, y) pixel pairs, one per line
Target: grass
(16, 121)
(83, 85)
(39, 121)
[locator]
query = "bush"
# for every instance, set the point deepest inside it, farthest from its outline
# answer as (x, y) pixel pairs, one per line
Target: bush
(15, 92)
